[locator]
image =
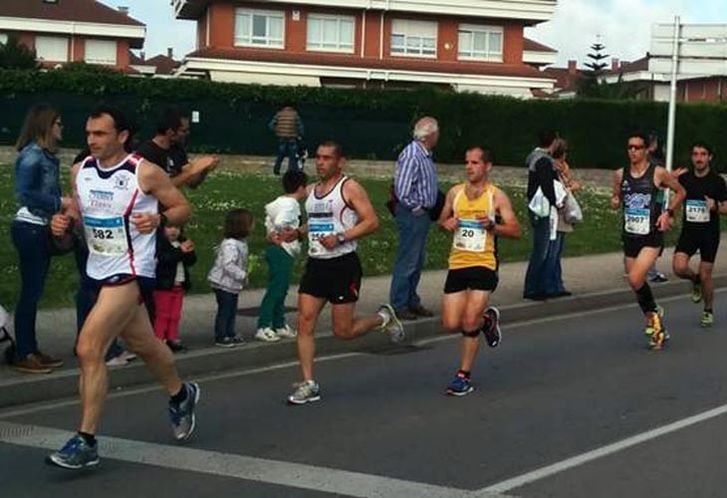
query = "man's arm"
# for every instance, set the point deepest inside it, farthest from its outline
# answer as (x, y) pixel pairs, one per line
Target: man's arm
(447, 221)
(616, 189)
(154, 181)
(665, 180)
(509, 227)
(359, 200)
(194, 172)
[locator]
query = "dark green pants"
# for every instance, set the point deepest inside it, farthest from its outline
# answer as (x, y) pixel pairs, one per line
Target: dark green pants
(272, 309)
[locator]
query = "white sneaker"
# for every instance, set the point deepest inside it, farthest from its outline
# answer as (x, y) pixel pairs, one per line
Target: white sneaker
(117, 361)
(286, 332)
(266, 335)
(127, 355)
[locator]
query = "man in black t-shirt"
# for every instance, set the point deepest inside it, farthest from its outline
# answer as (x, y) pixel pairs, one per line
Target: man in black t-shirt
(706, 200)
(167, 149)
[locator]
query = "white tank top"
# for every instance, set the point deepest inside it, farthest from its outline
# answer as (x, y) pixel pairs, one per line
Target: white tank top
(108, 198)
(329, 215)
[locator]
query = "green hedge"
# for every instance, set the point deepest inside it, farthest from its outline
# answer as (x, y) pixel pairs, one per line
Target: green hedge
(372, 124)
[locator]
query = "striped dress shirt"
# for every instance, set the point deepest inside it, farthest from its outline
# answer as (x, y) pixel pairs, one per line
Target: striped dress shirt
(415, 179)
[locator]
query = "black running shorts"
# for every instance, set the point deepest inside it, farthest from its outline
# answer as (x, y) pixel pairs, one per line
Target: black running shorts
(337, 280)
(472, 278)
(704, 241)
(633, 245)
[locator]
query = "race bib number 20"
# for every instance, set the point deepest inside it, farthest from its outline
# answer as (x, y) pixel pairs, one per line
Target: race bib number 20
(470, 236)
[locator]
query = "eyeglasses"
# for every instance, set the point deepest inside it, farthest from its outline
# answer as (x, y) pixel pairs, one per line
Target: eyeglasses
(636, 147)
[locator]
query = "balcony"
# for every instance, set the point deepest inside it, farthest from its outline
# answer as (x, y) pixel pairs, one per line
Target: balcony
(531, 11)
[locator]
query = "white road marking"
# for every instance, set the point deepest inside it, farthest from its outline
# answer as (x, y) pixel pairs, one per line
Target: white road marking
(610, 449)
(216, 463)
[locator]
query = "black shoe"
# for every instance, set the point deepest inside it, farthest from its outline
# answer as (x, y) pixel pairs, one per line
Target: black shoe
(406, 314)
(176, 346)
(420, 310)
(563, 293)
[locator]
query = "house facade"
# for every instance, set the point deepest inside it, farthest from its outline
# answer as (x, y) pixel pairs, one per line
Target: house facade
(63, 31)
(465, 45)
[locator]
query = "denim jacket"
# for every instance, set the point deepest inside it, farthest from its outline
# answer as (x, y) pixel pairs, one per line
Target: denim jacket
(37, 183)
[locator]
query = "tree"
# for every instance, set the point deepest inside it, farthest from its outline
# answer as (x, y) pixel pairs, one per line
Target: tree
(590, 86)
(15, 55)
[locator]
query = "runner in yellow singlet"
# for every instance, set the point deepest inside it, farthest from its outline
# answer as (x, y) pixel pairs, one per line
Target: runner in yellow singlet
(477, 212)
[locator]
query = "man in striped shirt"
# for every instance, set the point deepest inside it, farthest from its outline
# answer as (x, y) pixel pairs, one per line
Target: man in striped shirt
(287, 126)
(415, 186)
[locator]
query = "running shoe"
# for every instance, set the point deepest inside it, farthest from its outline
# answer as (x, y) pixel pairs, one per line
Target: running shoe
(707, 319)
(117, 361)
(460, 386)
(391, 324)
(696, 292)
(182, 414)
(305, 392)
(491, 328)
(225, 342)
(286, 332)
(658, 335)
(266, 335)
(659, 278)
(175, 346)
(75, 454)
(653, 320)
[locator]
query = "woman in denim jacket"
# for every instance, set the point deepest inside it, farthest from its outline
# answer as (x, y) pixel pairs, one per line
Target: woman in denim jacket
(38, 192)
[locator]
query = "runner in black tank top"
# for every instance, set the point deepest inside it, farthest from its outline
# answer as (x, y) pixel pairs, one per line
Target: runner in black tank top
(706, 200)
(635, 190)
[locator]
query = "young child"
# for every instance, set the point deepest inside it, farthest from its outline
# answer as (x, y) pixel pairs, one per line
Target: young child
(280, 214)
(175, 254)
(229, 275)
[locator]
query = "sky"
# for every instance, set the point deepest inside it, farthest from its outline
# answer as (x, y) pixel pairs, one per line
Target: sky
(623, 26)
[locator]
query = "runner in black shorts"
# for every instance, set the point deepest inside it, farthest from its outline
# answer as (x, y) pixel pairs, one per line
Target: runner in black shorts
(636, 189)
(470, 212)
(339, 213)
(706, 199)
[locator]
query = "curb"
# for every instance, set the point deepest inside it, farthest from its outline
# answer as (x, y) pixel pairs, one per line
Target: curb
(64, 384)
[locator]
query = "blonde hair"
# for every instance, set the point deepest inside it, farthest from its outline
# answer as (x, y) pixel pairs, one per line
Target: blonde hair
(38, 128)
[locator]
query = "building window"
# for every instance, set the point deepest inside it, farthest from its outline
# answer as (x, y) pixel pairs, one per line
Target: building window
(482, 43)
(100, 52)
(259, 28)
(3, 38)
(331, 33)
(51, 48)
(414, 38)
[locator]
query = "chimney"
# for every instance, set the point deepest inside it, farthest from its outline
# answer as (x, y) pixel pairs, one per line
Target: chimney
(170, 52)
(142, 55)
(615, 64)
(572, 67)
(123, 9)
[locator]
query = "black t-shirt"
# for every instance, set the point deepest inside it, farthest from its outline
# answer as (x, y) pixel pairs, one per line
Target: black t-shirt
(171, 160)
(695, 206)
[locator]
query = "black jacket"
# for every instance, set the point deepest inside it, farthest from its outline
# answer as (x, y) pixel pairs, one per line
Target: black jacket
(167, 258)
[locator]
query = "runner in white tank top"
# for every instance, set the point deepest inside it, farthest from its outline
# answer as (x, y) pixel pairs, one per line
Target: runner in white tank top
(339, 213)
(108, 198)
(116, 200)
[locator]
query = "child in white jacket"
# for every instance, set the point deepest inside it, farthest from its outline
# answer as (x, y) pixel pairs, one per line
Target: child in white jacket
(281, 214)
(228, 275)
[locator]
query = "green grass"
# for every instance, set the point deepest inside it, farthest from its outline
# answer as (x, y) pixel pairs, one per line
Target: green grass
(600, 232)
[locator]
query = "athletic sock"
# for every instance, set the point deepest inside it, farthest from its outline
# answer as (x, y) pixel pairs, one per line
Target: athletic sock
(646, 299)
(180, 396)
(90, 439)
(463, 373)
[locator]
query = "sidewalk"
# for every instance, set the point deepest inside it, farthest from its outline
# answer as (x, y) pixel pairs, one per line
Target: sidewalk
(596, 281)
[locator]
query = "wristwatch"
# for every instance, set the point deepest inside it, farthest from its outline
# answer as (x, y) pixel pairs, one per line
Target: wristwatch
(341, 237)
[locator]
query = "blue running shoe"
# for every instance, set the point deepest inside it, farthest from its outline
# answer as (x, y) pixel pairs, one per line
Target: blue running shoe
(182, 414)
(460, 386)
(75, 454)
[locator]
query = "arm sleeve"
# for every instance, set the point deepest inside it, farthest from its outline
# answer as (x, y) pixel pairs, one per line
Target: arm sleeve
(408, 169)
(167, 253)
(544, 178)
(27, 171)
(189, 258)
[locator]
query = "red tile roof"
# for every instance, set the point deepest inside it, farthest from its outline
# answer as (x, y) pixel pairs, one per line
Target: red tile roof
(632, 67)
(533, 46)
(405, 64)
(66, 10)
(566, 81)
(164, 64)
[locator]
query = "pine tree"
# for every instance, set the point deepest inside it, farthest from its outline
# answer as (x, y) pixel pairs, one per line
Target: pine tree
(589, 84)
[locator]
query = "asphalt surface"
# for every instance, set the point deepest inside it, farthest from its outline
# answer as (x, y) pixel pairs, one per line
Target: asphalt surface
(556, 389)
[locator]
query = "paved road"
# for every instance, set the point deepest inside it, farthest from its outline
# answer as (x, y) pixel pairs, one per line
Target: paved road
(567, 406)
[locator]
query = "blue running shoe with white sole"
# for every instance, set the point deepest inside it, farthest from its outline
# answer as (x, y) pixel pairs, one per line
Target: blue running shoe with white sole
(460, 386)
(182, 414)
(75, 454)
